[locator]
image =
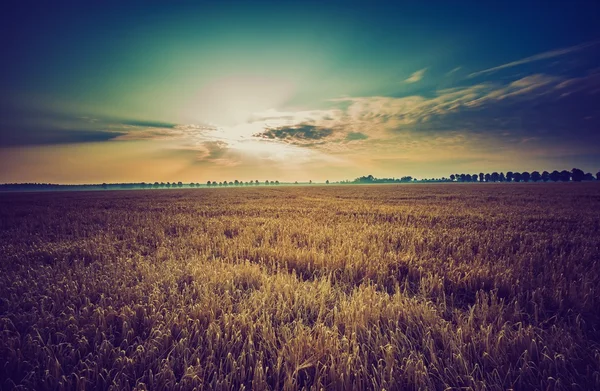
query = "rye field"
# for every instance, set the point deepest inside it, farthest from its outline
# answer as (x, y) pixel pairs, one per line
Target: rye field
(395, 287)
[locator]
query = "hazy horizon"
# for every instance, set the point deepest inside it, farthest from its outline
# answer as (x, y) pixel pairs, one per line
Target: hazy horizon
(296, 91)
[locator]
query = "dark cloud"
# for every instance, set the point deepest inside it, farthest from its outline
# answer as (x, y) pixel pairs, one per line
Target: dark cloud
(149, 124)
(353, 136)
(297, 134)
(563, 112)
(54, 137)
(22, 126)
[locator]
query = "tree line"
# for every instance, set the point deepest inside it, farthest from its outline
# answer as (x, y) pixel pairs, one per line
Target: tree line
(575, 175)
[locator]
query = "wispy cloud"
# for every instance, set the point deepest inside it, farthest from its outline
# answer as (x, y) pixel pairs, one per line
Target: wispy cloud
(416, 76)
(537, 57)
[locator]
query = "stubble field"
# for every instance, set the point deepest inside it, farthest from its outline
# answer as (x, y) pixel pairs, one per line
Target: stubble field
(430, 287)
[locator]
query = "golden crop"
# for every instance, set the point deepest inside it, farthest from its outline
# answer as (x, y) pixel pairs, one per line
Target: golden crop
(417, 287)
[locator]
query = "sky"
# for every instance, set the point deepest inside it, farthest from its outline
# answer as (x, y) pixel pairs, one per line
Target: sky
(130, 91)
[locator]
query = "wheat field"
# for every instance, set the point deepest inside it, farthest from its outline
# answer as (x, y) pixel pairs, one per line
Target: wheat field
(395, 287)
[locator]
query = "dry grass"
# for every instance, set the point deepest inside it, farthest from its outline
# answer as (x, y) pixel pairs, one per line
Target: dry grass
(418, 287)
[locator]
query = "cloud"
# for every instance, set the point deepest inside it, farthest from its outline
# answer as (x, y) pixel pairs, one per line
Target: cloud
(355, 136)
(51, 136)
(146, 124)
(296, 134)
(417, 76)
(454, 70)
(537, 57)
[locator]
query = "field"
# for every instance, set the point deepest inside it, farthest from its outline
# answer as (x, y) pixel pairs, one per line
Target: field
(417, 287)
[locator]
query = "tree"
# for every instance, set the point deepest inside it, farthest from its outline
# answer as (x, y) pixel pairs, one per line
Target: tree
(495, 177)
(256, 182)
(555, 176)
(509, 176)
(267, 182)
(179, 184)
(502, 177)
(168, 185)
(468, 178)
(545, 176)
(565, 176)
(463, 177)
(526, 176)
(577, 175)
(481, 177)
(474, 177)
(487, 177)
(310, 182)
(517, 177)
(276, 182)
(598, 176)
(452, 177)
(327, 182)
(588, 177)
(236, 182)
(535, 176)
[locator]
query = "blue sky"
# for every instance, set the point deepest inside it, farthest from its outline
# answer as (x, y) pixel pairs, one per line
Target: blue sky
(200, 91)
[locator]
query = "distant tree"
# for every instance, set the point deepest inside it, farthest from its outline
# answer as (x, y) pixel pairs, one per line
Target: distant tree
(555, 176)
(156, 184)
(481, 176)
(230, 183)
(565, 176)
(577, 175)
(545, 176)
(104, 186)
(487, 177)
(267, 182)
(467, 177)
(256, 182)
(598, 176)
(463, 177)
(588, 177)
(452, 177)
(509, 176)
(474, 177)
(208, 183)
(179, 184)
(502, 178)
(526, 176)
(168, 185)
(276, 182)
(517, 177)
(495, 177)
(310, 182)
(535, 176)
(295, 183)
(236, 182)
